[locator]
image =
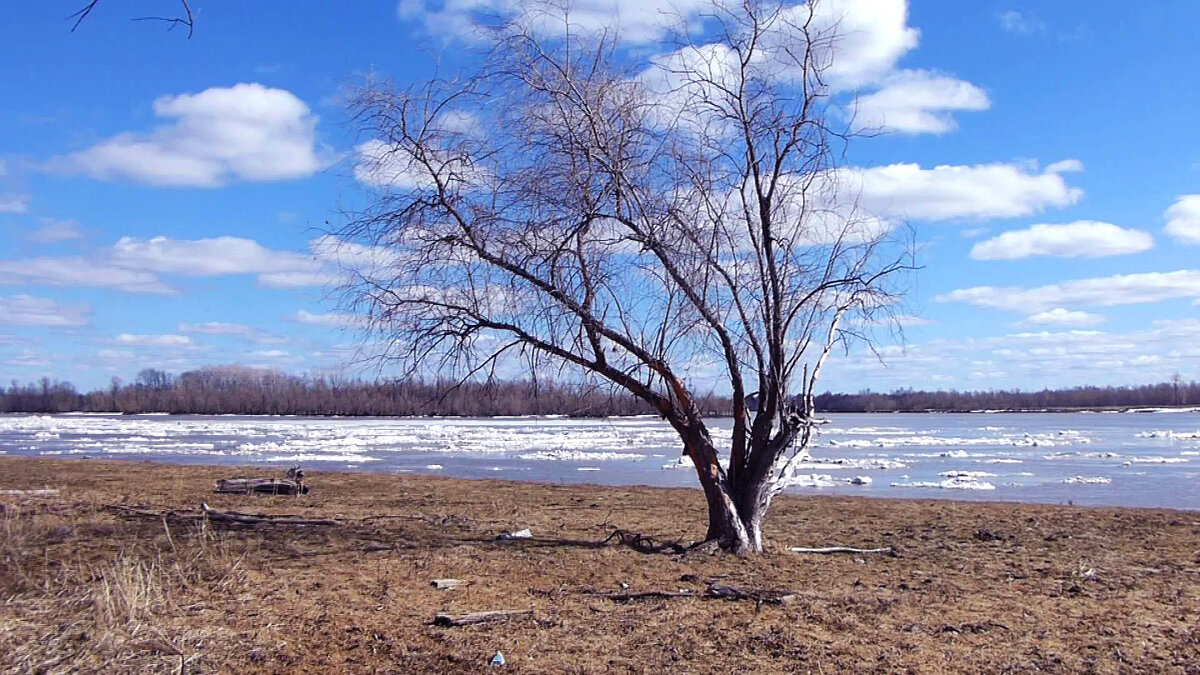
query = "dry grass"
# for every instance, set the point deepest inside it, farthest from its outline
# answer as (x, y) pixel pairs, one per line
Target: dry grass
(977, 588)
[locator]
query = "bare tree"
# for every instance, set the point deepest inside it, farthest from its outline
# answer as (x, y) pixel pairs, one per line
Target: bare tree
(654, 226)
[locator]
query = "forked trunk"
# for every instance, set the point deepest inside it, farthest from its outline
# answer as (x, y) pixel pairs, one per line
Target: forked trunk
(736, 506)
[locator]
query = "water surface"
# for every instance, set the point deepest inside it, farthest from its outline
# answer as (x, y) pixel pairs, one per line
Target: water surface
(1127, 459)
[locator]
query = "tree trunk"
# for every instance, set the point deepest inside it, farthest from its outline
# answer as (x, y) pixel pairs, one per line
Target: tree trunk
(727, 524)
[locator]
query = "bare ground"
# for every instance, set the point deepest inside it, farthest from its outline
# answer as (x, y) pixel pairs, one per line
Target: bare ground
(992, 587)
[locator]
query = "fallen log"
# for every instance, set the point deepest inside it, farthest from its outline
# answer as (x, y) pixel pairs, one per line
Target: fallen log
(232, 517)
(886, 550)
(629, 596)
(450, 620)
(260, 486)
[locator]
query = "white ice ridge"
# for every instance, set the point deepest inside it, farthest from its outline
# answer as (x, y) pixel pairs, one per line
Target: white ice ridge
(580, 456)
(1064, 437)
(955, 482)
(823, 480)
(1170, 434)
(1087, 480)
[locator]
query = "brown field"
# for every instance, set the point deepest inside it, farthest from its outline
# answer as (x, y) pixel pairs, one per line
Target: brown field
(975, 588)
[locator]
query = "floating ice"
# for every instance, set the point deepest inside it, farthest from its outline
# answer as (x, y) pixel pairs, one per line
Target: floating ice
(1087, 480)
(578, 455)
(955, 483)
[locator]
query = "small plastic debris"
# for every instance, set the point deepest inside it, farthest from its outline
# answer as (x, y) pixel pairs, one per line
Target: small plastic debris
(519, 534)
(447, 584)
(497, 660)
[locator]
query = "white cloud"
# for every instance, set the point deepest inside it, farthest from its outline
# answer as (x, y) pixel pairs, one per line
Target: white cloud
(639, 22)
(26, 310)
(1063, 317)
(80, 272)
(1183, 219)
(298, 279)
(154, 340)
(917, 101)
(1080, 239)
(206, 257)
(338, 320)
(1020, 23)
(28, 359)
(14, 203)
(232, 329)
(1122, 289)
(53, 231)
(216, 328)
(950, 192)
(872, 36)
(382, 165)
(133, 265)
(245, 132)
(869, 37)
(270, 354)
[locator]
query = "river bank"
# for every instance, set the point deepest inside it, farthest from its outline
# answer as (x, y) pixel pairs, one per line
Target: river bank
(995, 587)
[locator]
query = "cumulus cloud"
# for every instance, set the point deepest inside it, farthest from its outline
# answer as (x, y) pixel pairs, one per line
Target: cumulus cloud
(134, 265)
(206, 257)
(917, 101)
(639, 22)
(953, 192)
(332, 319)
(26, 310)
(1121, 289)
(246, 132)
(237, 330)
(870, 38)
(1080, 239)
(53, 231)
(167, 340)
(14, 203)
(1183, 219)
(79, 272)
(1063, 317)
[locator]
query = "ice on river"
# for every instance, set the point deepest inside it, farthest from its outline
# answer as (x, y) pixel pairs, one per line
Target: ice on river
(1022, 457)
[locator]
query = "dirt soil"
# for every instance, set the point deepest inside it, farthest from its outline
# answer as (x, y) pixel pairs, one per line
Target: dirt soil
(975, 587)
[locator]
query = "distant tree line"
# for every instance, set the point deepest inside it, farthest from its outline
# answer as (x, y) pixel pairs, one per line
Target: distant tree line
(237, 390)
(1173, 393)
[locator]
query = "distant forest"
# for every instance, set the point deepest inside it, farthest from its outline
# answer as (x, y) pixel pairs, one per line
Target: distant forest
(246, 391)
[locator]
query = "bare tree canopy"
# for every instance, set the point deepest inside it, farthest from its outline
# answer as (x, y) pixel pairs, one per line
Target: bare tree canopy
(643, 223)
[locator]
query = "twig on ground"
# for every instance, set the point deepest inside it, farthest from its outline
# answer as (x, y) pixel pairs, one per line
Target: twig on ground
(886, 550)
(212, 515)
(472, 618)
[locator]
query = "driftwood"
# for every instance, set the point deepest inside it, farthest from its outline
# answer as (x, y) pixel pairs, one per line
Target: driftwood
(29, 493)
(629, 596)
(479, 617)
(215, 516)
(260, 486)
(886, 550)
(713, 592)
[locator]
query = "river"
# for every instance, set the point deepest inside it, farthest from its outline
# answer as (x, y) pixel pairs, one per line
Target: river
(1120, 459)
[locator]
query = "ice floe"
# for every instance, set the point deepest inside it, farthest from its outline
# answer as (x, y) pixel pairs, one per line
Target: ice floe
(1087, 480)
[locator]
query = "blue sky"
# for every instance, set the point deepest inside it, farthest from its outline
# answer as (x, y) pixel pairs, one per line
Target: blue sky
(162, 199)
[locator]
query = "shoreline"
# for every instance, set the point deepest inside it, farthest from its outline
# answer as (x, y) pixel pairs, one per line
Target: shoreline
(976, 587)
(277, 470)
